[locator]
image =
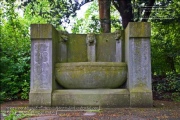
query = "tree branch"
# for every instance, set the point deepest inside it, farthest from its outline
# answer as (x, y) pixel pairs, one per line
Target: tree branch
(125, 9)
(84, 2)
(148, 10)
(115, 5)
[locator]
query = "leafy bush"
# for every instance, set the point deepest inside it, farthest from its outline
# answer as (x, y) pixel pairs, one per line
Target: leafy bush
(14, 115)
(169, 88)
(15, 55)
(173, 83)
(176, 96)
(165, 43)
(25, 90)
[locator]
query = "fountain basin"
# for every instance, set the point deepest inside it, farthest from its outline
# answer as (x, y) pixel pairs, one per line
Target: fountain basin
(91, 75)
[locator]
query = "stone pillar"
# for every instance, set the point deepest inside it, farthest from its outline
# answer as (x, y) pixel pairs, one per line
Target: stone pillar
(42, 64)
(138, 59)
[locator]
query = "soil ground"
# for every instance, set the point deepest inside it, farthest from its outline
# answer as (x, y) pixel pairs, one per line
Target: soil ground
(161, 110)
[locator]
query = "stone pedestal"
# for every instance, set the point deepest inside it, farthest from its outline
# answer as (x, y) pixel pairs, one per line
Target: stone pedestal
(138, 59)
(43, 47)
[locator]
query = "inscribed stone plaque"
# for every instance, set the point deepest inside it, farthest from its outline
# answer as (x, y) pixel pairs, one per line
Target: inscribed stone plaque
(41, 65)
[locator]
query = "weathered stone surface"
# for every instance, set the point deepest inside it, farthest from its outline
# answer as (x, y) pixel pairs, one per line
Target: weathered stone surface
(93, 97)
(62, 50)
(139, 63)
(139, 29)
(84, 75)
(91, 47)
(106, 47)
(40, 98)
(119, 44)
(43, 57)
(40, 31)
(50, 47)
(63, 54)
(77, 50)
(137, 56)
(41, 65)
(141, 98)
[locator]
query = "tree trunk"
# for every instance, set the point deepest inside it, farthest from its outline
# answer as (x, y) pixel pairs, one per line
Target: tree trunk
(125, 9)
(147, 13)
(104, 15)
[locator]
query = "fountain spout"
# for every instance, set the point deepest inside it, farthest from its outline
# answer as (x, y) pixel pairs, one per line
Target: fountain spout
(63, 38)
(118, 46)
(91, 47)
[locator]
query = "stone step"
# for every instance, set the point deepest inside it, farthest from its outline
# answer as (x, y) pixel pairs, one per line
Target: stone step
(91, 97)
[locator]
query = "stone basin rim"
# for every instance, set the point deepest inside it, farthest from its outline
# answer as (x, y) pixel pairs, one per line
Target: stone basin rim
(111, 64)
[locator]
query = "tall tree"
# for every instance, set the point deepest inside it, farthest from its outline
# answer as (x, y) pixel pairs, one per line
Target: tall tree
(125, 8)
(130, 10)
(90, 23)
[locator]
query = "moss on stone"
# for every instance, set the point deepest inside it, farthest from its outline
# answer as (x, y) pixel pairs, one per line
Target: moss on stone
(139, 29)
(77, 50)
(91, 74)
(40, 31)
(106, 47)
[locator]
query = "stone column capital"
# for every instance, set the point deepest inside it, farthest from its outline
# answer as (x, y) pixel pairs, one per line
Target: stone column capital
(139, 29)
(41, 31)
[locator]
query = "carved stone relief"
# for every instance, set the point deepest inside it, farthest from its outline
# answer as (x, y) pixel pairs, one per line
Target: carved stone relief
(63, 36)
(41, 64)
(90, 39)
(91, 47)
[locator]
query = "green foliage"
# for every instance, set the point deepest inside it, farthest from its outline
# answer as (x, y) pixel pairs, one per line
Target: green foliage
(14, 115)
(165, 42)
(170, 84)
(15, 53)
(90, 22)
(165, 49)
(176, 96)
(54, 12)
(25, 90)
(169, 88)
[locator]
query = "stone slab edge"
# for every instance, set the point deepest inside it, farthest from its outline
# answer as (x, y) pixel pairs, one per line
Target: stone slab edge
(91, 97)
(41, 31)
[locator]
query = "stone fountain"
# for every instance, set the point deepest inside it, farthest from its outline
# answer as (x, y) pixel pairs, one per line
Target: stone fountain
(107, 70)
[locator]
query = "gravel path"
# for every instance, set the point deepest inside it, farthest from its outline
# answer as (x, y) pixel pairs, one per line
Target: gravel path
(162, 110)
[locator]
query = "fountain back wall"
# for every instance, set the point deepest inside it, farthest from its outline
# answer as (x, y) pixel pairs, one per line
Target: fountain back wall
(77, 48)
(90, 61)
